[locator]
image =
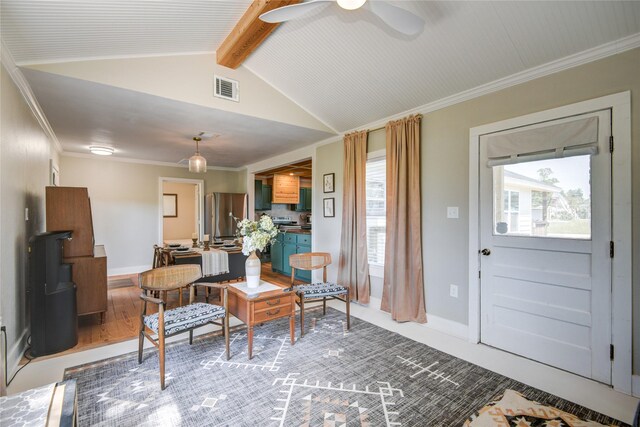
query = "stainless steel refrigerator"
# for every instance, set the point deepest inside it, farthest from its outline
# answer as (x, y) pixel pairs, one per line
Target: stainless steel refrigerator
(217, 206)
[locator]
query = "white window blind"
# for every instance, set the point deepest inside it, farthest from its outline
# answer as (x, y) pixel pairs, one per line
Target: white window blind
(545, 141)
(376, 209)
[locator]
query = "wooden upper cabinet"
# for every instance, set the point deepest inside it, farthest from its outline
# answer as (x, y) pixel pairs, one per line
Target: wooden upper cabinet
(286, 189)
(69, 208)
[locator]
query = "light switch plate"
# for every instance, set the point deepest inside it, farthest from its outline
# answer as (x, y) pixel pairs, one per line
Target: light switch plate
(452, 212)
(26, 214)
(453, 291)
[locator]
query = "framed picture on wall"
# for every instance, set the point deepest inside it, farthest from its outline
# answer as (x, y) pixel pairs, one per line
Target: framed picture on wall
(329, 207)
(169, 205)
(328, 182)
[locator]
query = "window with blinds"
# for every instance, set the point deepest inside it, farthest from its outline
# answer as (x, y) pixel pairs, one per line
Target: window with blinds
(376, 206)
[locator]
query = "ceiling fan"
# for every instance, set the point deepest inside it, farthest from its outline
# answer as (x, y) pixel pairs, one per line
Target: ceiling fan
(395, 17)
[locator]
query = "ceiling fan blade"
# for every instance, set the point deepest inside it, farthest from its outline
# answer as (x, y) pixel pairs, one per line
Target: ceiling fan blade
(397, 18)
(293, 11)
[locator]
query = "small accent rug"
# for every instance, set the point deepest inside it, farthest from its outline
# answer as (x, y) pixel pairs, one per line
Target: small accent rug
(367, 376)
(513, 409)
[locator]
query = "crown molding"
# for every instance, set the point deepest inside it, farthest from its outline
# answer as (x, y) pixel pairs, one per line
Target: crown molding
(25, 89)
(580, 58)
(144, 162)
(571, 61)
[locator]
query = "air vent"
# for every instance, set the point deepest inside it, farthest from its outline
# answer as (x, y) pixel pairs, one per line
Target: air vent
(226, 88)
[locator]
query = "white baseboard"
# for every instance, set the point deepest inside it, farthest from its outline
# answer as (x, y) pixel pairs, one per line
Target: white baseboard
(449, 327)
(127, 270)
(375, 302)
(440, 324)
(635, 385)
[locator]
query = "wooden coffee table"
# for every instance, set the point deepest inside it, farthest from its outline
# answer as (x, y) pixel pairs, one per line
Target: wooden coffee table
(257, 308)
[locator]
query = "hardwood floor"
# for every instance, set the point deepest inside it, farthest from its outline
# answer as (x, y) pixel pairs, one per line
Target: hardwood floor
(122, 316)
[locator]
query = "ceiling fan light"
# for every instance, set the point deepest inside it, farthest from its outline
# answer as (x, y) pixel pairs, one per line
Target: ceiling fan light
(351, 4)
(101, 150)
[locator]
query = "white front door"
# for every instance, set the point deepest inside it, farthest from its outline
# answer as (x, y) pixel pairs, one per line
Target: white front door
(545, 230)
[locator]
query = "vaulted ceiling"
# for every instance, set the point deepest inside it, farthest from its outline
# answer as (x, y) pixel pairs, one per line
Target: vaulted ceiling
(327, 73)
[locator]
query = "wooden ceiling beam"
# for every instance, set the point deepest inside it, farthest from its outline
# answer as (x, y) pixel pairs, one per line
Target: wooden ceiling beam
(248, 33)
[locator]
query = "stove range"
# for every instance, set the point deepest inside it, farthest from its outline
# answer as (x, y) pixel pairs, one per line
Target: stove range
(283, 220)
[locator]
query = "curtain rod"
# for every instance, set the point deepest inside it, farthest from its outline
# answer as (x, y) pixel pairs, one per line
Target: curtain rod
(384, 126)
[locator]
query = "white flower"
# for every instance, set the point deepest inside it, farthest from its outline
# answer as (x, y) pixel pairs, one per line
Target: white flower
(256, 234)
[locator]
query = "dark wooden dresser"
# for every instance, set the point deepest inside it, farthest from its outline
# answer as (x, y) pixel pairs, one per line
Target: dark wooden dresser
(69, 208)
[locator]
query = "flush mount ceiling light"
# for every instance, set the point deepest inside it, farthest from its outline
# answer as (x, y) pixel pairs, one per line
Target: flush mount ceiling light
(197, 163)
(101, 150)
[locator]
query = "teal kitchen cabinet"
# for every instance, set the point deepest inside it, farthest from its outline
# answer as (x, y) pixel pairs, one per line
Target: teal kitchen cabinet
(303, 246)
(257, 196)
(266, 197)
(288, 244)
(262, 196)
(276, 254)
(288, 250)
(305, 201)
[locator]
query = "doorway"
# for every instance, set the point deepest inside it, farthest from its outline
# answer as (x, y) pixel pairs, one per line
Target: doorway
(527, 256)
(284, 193)
(181, 210)
(545, 228)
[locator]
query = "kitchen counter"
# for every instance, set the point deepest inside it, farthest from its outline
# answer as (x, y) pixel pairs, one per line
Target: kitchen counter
(296, 231)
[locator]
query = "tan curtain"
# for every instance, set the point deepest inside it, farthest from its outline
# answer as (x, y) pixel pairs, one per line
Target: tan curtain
(403, 291)
(353, 265)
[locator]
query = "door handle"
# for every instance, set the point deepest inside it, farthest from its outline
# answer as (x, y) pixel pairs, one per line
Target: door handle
(485, 252)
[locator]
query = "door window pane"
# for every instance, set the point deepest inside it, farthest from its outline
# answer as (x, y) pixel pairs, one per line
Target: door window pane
(545, 198)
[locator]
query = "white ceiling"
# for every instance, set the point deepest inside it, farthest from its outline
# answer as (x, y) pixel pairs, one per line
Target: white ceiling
(55, 30)
(349, 70)
(147, 127)
(345, 68)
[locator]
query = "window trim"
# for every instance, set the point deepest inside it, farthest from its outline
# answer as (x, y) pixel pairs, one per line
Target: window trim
(373, 155)
(376, 269)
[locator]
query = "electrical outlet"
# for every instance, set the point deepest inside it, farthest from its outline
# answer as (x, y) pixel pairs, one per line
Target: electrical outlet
(453, 291)
(452, 212)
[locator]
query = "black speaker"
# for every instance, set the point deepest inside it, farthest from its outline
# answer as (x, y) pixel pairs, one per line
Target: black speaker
(52, 296)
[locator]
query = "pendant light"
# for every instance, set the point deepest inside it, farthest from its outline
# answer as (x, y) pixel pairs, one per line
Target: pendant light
(197, 163)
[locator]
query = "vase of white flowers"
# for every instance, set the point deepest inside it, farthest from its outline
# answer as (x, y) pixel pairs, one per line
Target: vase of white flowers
(256, 235)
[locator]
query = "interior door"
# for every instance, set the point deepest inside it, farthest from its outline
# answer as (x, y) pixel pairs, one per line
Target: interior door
(545, 232)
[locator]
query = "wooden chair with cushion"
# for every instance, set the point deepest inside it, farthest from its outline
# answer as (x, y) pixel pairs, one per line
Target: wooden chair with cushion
(159, 257)
(166, 323)
(316, 292)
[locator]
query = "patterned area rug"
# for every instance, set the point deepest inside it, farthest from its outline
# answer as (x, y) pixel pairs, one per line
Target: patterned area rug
(367, 376)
